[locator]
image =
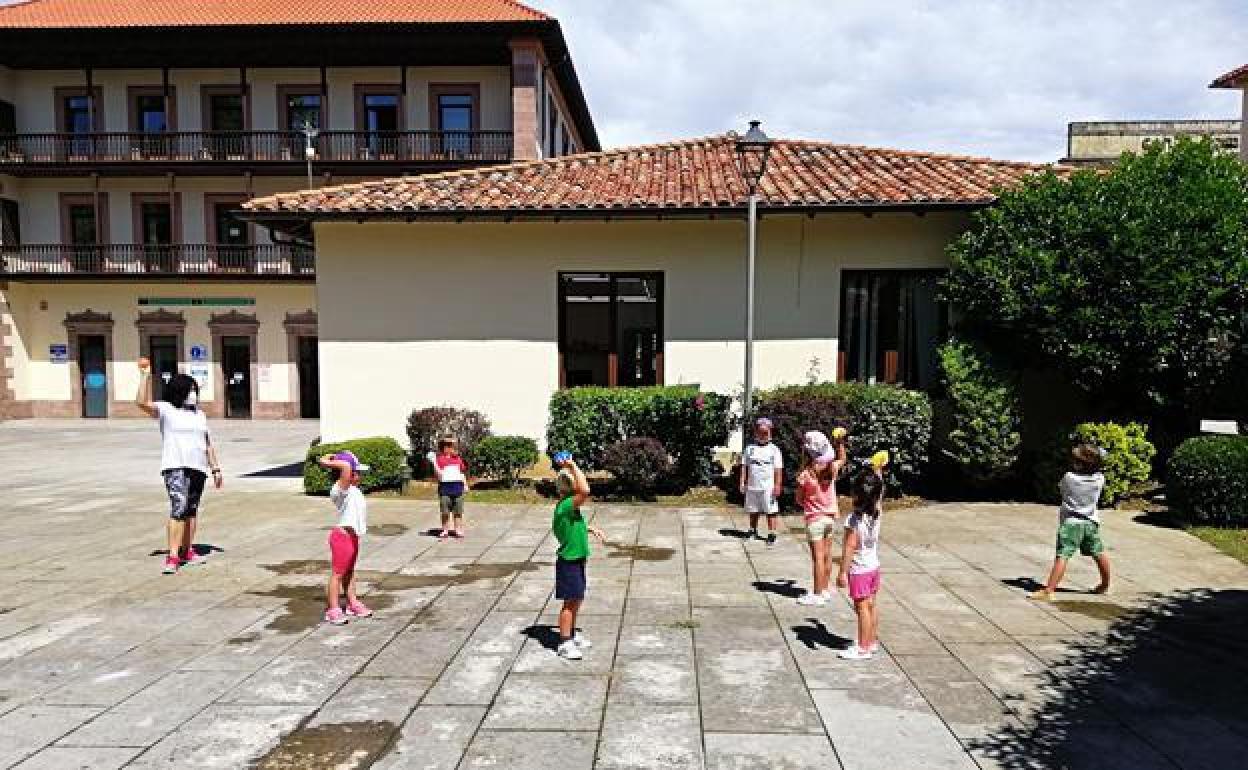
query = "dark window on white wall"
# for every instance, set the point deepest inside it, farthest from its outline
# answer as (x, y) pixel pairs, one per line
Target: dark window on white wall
(610, 329)
(891, 324)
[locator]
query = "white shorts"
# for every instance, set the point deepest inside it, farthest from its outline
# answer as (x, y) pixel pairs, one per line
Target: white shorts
(760, 501)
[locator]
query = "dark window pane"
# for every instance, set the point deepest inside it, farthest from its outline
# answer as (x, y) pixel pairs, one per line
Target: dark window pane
(891, 324)
(586, 328)
(77, 115)
(455, 112)
(156, 223)
(637, 329)
(303, 109)
(381, 112)
(82, 223)
(150, 113)
(226, 112)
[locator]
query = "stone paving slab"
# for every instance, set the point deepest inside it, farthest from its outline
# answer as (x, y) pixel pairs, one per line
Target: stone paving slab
(701, 656)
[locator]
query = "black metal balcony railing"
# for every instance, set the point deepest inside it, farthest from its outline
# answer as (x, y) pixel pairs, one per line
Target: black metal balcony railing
(191, 147)
(181, 260)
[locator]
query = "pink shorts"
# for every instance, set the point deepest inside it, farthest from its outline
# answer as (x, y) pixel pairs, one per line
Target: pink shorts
(344, 547)
(864, 585)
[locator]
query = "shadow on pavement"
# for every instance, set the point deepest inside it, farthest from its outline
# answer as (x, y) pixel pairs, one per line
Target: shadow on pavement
(817, 635)
(288, 471)
(1162, 687)
(547, 636)
(786, 587)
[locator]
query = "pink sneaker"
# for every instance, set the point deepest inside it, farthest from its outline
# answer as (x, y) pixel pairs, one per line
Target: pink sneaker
(336, 616)
(457, 534)
(171, 565)
(194, 558)
(358, 609)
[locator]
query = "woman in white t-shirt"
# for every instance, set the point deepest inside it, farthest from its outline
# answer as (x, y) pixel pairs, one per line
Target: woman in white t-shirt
(186, 457)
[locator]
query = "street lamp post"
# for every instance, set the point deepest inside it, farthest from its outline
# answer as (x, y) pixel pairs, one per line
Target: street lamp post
(752, 151)
(309, 150)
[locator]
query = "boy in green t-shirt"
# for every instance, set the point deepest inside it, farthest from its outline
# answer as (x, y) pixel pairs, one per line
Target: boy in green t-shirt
(570, 529)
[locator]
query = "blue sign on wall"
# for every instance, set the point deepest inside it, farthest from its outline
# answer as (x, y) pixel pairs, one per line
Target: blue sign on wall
(199, 353)
(95, 380)
(58, 353)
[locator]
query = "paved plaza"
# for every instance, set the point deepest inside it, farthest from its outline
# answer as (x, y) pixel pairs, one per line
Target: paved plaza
(701, 657)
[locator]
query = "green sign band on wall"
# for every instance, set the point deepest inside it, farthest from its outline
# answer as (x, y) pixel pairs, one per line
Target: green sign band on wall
(198, 301)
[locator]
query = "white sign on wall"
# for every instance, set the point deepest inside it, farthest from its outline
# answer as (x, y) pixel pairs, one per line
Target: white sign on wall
(200, 373)
(264, 373)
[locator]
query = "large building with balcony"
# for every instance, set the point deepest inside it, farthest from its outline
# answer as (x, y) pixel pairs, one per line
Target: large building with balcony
(131, 132)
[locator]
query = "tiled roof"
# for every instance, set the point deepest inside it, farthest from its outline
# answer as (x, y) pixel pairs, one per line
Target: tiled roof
(699, 174)
(1233, 79)
(92, 14)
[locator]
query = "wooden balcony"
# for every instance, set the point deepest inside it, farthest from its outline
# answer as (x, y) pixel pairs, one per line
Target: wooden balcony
(179, 262)
(279, 152)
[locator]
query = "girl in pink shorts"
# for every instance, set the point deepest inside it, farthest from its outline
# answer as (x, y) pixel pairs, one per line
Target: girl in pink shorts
(860, 559)
(344, 539)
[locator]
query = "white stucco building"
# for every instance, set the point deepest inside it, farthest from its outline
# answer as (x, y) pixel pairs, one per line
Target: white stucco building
(492, 288)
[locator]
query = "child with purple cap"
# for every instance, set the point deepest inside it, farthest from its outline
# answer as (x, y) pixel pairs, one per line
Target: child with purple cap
(816, 495)
(762, 478)
(344, 538)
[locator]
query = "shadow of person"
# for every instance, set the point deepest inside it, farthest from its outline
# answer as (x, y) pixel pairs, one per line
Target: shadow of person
(786, 587)
(1031, 584)
(739, 534)
(547, 636)
(817, 635)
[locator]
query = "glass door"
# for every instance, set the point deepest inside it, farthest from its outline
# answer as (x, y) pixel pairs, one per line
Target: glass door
(611, 329)
(309, 378)
(226, 121)
(236, 373)
(156, 232)
(233, 239)
(163, 352)
(455, 120)
(380, 115)
(93, 368)
(83, 238)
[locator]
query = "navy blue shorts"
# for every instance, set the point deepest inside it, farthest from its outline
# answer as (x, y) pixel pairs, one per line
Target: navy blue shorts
(569, 579)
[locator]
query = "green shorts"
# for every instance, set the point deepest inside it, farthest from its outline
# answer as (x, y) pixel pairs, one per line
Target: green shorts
(1079, 535)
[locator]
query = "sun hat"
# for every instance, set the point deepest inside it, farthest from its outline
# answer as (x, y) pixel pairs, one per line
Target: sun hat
(762, 422)
(816, 444)
(350, 459)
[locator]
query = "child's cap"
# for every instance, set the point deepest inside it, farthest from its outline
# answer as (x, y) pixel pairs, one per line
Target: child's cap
(762, 422)
(350, 459)
(880, 459)
(816, 444)
(565, 484)
(561, 457)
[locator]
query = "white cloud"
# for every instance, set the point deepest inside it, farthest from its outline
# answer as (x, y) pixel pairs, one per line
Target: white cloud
(987, 77)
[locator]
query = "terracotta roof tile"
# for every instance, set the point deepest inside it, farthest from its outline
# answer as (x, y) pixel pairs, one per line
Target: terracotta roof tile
(692, 174)
(1236, 78)
(91, 14)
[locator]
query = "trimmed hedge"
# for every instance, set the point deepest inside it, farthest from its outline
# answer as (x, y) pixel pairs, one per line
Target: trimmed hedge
(504, 457)
(689, 423)
(877, 417)
(1208, 481)
(386, 459)
(1128, 460)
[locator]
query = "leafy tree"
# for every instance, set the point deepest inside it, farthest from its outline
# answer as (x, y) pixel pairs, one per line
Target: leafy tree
(1132, 283)
(982, 410)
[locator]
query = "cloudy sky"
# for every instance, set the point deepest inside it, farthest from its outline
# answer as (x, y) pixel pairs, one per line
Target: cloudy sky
(988, 77)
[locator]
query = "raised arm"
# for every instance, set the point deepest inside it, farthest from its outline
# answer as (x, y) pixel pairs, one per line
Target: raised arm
(580, 485)
(143, 399)
(342, 466)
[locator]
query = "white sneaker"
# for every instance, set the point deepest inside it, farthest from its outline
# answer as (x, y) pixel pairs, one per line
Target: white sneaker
(854, 652)
(811, 600)
(569, 651)
(582, 641)
(828, 595)
(874, 648)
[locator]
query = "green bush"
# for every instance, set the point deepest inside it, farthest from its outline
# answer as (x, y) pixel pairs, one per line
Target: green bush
(1128, 460)
(639, 464)
(879, 417)
(504, 457)
(386, 459)
(981, 411)
(689, 423)
(426, 426)
(1208, 481)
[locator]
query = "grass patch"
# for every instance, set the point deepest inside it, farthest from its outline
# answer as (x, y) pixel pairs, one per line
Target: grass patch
(1232, 542)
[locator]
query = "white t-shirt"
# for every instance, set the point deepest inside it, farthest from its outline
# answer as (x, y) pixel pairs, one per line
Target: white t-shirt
(761, 462)
(1081, 492)
(352, 508)
(183, 437)
(866, 556)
